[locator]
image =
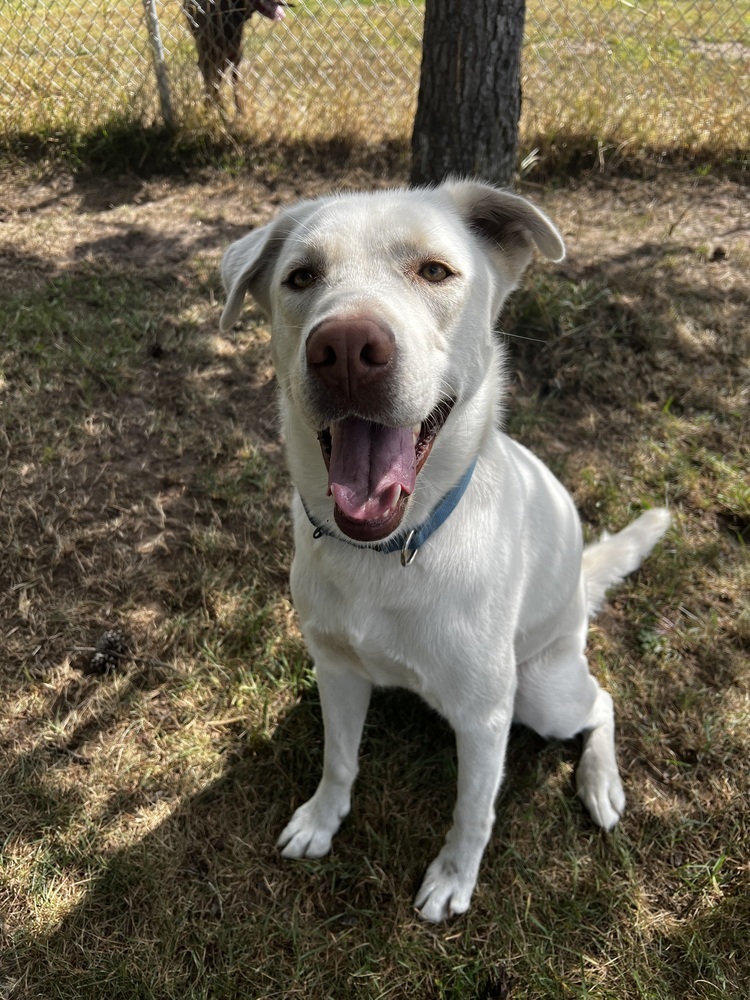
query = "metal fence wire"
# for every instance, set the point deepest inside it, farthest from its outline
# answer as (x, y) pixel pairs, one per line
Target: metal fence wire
(655, 71)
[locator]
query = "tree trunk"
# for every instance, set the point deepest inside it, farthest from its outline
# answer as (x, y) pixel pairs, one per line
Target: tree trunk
(469, 91)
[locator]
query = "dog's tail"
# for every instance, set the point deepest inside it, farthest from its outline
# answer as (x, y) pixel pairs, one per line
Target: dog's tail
(609, 560)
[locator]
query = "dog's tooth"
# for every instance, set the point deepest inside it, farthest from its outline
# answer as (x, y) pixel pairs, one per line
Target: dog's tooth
(416, 430)
(394, 496)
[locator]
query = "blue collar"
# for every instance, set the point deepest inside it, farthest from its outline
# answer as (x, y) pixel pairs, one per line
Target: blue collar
(412, 539)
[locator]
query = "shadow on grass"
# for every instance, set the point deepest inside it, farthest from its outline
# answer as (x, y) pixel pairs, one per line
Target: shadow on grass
(577, 153)
(190, 905)
(204, 906)
(125, 146)
(629, 344)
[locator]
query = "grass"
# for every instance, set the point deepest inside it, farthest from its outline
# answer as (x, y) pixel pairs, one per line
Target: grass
(639, 73)
(603, 82)
(143, 487)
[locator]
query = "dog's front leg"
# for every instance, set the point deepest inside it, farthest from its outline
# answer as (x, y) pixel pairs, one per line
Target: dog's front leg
(344, 697)
(450, 879)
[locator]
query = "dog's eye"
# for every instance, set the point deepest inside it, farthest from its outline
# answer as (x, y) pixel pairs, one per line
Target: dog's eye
(301, 278)
(434, 271)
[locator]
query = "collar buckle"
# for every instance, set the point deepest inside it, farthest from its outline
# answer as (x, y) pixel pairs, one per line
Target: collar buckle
(408, 556)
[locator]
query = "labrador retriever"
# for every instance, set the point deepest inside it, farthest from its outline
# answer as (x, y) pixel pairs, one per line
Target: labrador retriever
(432, 552)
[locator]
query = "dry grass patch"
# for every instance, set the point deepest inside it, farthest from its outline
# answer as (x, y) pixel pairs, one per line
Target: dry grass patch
(143, 488)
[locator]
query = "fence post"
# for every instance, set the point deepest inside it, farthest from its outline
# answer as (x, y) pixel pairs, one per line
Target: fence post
(160, 67)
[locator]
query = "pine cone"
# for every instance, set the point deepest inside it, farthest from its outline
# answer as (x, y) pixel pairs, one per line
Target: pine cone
(110, 654)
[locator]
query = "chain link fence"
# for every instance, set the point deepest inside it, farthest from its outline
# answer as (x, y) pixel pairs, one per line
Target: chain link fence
(643, 71)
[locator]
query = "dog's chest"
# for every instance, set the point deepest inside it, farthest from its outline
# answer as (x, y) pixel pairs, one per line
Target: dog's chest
(380, 620)
(373, 660)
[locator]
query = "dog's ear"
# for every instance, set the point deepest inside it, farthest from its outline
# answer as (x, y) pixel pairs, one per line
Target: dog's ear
(247, 264)
(239, 266)
(511, 225)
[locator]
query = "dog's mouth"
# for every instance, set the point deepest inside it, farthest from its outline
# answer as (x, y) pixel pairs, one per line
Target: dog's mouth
(372, 470)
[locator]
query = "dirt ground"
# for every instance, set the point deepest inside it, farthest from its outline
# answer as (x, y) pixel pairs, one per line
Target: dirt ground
(66, 218)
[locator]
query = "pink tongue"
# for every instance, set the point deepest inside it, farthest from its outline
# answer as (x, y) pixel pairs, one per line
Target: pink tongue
(369, 463)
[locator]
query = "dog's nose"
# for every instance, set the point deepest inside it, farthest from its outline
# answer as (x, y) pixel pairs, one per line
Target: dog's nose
(348, 355)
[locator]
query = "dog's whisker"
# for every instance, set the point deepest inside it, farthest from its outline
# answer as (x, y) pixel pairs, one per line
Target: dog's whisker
(518, 336)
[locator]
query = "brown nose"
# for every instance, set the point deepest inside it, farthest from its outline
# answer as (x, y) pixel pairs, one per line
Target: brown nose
(349, 355)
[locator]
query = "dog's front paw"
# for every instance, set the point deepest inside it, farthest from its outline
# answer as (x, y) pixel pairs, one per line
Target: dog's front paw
(445, 891)
(309, 832)
(601, 790)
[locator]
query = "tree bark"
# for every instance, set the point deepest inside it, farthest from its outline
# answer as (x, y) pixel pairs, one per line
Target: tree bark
(469, 91)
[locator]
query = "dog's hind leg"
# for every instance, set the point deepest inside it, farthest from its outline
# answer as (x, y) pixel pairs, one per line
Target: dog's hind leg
(558, 698)
(597, 778)
(344, 698)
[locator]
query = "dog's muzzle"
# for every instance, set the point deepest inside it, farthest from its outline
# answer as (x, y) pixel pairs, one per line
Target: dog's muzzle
(372, 464)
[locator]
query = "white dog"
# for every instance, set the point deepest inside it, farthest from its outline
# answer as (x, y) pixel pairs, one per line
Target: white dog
(432, 552)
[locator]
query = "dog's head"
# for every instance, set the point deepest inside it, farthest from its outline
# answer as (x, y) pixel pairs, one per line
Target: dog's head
(382, 307)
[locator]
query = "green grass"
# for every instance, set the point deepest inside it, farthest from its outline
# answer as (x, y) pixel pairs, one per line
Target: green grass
(665, 75)
(146, 489)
